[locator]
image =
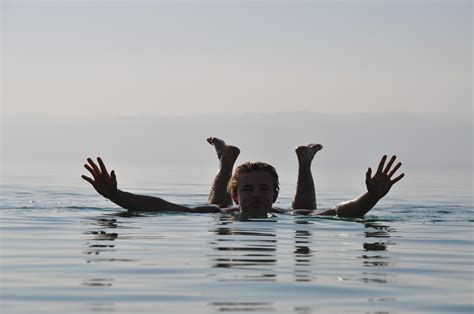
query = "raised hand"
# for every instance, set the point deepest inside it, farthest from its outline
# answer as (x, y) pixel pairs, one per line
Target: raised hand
(104, 183)
(381, 183)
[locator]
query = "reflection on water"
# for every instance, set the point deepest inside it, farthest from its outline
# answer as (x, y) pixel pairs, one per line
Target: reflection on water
(375, 260)
(243, 252)
(260, 251)
(247, 252)
(100, 240)
(243, 306)
(303, 310)
(381, 235)
(66, 248)
(244, 247)
(98, 282)
(252, 246)
(381, 231)
(302, 252)
(100, 307)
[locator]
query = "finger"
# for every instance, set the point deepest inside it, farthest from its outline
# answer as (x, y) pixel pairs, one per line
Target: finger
(114, 178)
(88, 179)
(382, 162)
(368, 174)
(397, 178)
(391, 173)
(94, 166)
(387, 168)
(102, 166)
(92, 171)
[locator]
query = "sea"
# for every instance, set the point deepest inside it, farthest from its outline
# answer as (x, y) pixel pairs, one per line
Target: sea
(65, 249)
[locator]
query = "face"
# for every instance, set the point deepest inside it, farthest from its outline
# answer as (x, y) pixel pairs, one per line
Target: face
(255, 193)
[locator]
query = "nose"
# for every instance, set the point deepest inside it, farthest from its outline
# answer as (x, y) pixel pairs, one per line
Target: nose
(256, 193)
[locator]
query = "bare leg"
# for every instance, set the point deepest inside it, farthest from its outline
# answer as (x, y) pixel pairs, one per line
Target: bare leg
(227, 155)
(305, 196)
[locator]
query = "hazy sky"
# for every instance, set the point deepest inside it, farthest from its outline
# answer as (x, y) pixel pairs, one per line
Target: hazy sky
(89, 58)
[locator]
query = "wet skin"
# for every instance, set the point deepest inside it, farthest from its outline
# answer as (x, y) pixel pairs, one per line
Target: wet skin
(255, 193)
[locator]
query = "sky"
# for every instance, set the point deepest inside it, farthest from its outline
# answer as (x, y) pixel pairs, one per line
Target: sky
(164, 58)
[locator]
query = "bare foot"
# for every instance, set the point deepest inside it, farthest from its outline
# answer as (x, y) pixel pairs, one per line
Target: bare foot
(224, 151)
(306, 153)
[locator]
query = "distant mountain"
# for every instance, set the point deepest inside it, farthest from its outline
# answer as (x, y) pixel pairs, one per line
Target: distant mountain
(421, 141)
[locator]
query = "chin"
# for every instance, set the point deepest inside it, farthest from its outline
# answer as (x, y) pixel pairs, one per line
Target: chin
(256, 211)
(254, 214)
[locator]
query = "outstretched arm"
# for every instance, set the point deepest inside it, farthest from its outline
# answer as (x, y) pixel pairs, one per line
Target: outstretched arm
(106, 185)
(377, 187)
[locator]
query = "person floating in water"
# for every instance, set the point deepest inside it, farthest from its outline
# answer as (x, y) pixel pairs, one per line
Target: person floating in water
(253, 186)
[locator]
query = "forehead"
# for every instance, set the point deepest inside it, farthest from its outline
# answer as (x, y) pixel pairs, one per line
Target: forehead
(255, 178)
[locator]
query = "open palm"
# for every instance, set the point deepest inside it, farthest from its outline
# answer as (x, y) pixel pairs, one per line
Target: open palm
(381, 183)
(104, 183)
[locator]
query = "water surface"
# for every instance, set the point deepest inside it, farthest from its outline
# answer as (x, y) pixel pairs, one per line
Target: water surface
(65, 249)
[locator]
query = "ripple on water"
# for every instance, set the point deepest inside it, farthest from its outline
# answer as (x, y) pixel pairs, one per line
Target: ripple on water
(88, 257)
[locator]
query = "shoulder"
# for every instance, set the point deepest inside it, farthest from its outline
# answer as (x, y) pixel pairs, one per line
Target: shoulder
(232, 209)
(279, 210)
(207, 209)
(310, 212)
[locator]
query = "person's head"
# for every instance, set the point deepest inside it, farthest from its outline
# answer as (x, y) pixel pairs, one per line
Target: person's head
(254, 187)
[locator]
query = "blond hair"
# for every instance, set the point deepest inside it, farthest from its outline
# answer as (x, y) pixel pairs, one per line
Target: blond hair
(252, 166)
